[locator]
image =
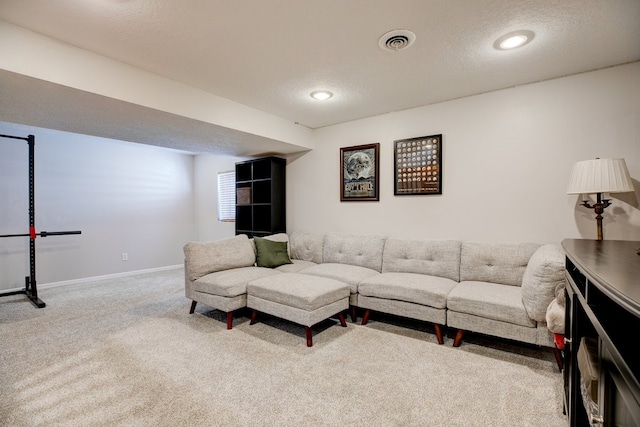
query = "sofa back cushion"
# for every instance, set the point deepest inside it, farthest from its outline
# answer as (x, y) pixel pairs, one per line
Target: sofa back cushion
(351, 249)
(202, 258)
(433, 258)
(542, 278)
(306, 246)
(502, 263)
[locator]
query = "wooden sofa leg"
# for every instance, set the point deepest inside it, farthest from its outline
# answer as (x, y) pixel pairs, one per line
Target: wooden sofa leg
(438, 333)
(343, 322)
(230, 320)
(309, 334)
(558, 355)
(354, 316)
(458, 338)
(253, 317)
(365, 316)
(193, 307)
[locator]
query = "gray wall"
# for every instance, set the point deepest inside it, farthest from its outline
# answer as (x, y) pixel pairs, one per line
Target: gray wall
(124, 197)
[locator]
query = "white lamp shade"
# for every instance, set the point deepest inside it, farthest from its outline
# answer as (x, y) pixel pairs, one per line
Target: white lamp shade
(600, 176)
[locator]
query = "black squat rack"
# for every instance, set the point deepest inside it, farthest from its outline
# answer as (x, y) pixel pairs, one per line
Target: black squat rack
(30, 288)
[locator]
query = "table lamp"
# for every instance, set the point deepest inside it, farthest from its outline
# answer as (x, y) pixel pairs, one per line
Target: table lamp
(602, 177)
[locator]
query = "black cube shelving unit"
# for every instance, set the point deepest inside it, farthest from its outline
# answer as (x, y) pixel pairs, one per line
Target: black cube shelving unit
(260, 197)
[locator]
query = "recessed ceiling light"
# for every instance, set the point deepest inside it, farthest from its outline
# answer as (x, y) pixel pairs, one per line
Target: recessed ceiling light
(321, 95)
(513, 40)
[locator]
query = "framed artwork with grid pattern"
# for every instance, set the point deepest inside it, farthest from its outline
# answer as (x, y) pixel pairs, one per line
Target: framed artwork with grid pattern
(418, 165)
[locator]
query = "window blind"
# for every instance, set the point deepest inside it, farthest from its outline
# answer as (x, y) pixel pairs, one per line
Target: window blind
(227, 196)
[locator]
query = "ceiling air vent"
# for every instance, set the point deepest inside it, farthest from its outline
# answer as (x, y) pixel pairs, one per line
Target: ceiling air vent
(397, 40)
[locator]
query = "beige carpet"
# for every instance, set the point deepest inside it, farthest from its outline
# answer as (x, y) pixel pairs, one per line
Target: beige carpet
(125, 352)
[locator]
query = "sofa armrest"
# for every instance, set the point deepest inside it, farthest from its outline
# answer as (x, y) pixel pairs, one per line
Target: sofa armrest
(544, 273)
(202, 258)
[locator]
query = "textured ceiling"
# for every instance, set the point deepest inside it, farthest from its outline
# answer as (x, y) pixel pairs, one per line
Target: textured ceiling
(270, 55)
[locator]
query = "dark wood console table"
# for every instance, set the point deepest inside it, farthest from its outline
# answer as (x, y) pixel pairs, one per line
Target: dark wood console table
(603, 306)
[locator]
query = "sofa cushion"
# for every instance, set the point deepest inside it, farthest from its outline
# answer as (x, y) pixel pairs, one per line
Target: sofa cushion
(502, 263)
(352, 275)
(202, 258)
(544, 273)
(230, 283)
(363, 251)
(306, 246)
(490, 301)
(271, 253)
(299, 290)
(295, 266)
(421, 289)
(433, 258)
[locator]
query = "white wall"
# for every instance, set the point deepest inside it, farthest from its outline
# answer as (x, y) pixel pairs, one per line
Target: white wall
(507, 157)
(124, 197)
(506, 162)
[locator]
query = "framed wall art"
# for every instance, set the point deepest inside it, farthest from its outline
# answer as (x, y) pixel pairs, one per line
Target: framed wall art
(359, 173)
(418, 165)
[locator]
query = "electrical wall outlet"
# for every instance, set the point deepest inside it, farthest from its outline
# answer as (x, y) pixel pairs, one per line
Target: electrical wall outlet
(125, 256)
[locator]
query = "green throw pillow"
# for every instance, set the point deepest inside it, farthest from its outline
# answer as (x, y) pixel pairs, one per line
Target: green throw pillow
(271, 254)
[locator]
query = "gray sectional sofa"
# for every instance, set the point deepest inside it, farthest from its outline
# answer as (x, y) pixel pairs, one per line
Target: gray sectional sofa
(498, 289)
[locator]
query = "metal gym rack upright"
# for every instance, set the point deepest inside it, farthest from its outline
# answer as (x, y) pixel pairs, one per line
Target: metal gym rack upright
(31, 288)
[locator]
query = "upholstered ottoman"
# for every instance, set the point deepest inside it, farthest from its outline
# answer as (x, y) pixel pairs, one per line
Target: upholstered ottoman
(299, 298)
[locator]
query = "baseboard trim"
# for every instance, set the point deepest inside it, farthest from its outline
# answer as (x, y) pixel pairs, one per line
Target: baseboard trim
(97, 278)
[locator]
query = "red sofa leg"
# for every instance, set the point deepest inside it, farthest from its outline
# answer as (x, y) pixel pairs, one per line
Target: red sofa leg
(365, 316)
(458, 339)
(558, 355)
(230, 320)
(309, 335)
(438, 333)
(343, 322)
(254, 315)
